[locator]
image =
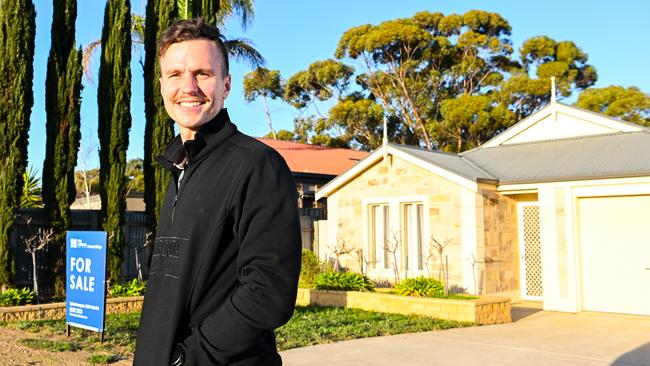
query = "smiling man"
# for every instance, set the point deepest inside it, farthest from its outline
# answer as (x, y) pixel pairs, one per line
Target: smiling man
(226, 258)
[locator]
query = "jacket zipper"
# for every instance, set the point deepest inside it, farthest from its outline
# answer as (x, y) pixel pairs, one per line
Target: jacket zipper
(178, 190)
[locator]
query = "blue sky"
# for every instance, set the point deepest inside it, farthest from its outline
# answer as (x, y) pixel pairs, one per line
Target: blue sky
(293, 34)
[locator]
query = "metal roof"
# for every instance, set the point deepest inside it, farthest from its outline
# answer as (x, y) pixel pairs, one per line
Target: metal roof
(590, 157)
(451, 162)
(314, 159)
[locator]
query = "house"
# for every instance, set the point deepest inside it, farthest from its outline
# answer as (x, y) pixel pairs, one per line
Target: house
(134, 202)
(313, 166)
(554, 209)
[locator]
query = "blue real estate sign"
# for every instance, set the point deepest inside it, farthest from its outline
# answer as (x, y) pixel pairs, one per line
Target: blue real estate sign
(85, 272)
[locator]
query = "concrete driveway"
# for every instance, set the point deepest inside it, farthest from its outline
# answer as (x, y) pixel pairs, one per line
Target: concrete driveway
(535, 338)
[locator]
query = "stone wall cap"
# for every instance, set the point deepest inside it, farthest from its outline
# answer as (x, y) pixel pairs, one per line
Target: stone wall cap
(58, 305)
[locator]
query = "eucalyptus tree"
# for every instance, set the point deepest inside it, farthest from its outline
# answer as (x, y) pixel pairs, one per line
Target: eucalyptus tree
(413, 64)
(265, 84)
(312, 91)
(445, 82)
(62, 107)
(17, 34)
(541, 58)
(629, 104)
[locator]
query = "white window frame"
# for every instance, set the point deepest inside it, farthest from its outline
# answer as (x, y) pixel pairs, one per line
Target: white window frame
(412, 262)
(395, 205)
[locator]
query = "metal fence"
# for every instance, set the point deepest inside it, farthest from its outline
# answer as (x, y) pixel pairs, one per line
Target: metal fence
(82, 220)
(88, 220)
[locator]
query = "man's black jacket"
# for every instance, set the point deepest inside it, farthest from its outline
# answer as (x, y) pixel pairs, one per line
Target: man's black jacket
(226, 258)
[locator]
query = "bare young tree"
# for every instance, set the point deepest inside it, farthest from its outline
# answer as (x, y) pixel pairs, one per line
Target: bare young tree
(363, 261)
(392, 246)
(431, 255)
(339, 249)
(86, 151)
(34, 243)
(437, 247)
(473, 261)
(148, 239)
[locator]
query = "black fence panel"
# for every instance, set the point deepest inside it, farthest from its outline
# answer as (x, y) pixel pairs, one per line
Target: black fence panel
(82, 220)
(135, 257)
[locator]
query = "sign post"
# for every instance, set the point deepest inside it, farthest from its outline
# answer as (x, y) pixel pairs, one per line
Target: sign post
(86, 280)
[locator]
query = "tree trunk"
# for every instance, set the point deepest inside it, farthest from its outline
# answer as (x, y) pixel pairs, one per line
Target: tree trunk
(35, 275)
(86, 188)
(268, 115)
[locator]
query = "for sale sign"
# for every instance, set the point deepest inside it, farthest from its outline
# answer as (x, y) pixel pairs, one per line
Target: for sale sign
(85, 285)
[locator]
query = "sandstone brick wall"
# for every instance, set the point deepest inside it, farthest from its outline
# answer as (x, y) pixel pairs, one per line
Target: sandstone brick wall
(485, 310)
(394, 177)
(498, 267)
(57, 310)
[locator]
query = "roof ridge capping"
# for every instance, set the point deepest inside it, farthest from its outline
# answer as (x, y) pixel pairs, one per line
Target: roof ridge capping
(486, 176)
(300, 145)
(602, 115)
(541, 142)
(422, 149)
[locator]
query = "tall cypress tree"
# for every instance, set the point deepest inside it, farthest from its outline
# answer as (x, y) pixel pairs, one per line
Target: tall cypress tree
(113, 100)
(62, 107)
(159, 128)
(17, 32)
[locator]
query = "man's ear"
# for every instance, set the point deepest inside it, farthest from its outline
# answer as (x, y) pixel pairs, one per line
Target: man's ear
(227, 82)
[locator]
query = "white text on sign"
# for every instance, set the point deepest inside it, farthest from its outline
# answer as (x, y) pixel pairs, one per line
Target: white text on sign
(81, 281)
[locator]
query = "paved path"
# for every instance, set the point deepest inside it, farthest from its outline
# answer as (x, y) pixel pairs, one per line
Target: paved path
(535, 338)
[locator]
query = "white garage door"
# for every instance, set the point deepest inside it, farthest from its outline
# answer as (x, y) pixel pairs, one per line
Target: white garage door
(615, 243)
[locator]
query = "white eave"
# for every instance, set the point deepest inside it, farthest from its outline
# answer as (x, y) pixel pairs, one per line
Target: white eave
(583, 114)
(379, 155)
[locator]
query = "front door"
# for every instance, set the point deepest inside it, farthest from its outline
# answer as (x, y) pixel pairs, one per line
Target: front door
(530, 250)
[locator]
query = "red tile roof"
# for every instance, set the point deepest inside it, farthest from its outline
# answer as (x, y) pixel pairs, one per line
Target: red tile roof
(305, 158)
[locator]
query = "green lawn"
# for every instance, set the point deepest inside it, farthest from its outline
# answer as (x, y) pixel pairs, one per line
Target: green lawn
(309, 326)
(315, 325)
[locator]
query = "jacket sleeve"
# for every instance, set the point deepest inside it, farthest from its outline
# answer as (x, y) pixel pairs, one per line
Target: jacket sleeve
(266, 224)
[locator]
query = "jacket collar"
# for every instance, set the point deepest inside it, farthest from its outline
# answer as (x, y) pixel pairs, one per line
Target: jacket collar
(208, 137)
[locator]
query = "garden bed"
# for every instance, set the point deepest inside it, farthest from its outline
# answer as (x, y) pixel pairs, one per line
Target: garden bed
(56, 310)
(484, 310)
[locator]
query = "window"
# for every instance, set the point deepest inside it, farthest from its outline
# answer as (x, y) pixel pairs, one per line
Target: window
(397, 221)
(379, 230)
(412, 227)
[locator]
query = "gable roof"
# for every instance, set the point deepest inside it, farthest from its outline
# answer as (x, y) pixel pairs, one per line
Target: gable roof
(558, 120)
(449, 166)
(605, 148)
(453, 163)
(314, 159)
(591, 157)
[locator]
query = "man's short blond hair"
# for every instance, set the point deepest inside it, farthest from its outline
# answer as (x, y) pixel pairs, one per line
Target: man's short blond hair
(191, 29)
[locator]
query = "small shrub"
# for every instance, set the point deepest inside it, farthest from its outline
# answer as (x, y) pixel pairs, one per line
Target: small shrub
(344, 281)
(131, 288)
(102, 359)
(420, 286)
(311, 268)
(15, 297)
